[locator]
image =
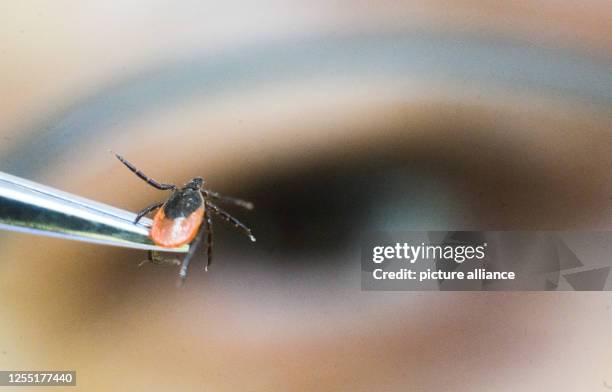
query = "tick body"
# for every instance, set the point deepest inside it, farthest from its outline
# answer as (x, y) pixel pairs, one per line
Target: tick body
(185, 217)
(178, 221)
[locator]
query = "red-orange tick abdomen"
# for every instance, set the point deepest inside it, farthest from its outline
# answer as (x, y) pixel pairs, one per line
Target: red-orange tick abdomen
(172, 233)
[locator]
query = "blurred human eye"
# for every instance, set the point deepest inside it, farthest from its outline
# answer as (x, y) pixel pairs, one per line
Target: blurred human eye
(463, 171)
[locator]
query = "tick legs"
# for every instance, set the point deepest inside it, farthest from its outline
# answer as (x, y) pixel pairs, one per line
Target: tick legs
(227, 217)
(209, 241)
(156, 258)
(192, 248)
(143, 176)
(146, 210)
(239, 202)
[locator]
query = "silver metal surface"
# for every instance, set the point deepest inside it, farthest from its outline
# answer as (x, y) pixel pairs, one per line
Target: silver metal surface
(26, 206)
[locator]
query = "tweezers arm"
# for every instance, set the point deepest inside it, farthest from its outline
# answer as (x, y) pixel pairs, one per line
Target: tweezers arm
(29, 207)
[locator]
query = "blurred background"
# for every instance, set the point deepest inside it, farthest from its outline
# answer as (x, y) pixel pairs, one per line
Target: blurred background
(335, 119)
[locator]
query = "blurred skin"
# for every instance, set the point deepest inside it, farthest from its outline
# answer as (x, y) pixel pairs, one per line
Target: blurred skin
(317, 155)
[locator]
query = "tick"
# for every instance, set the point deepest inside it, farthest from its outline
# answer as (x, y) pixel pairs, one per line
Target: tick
(185, 217)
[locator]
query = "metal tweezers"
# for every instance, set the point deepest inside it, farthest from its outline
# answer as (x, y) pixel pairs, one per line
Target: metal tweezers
(28, 207)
